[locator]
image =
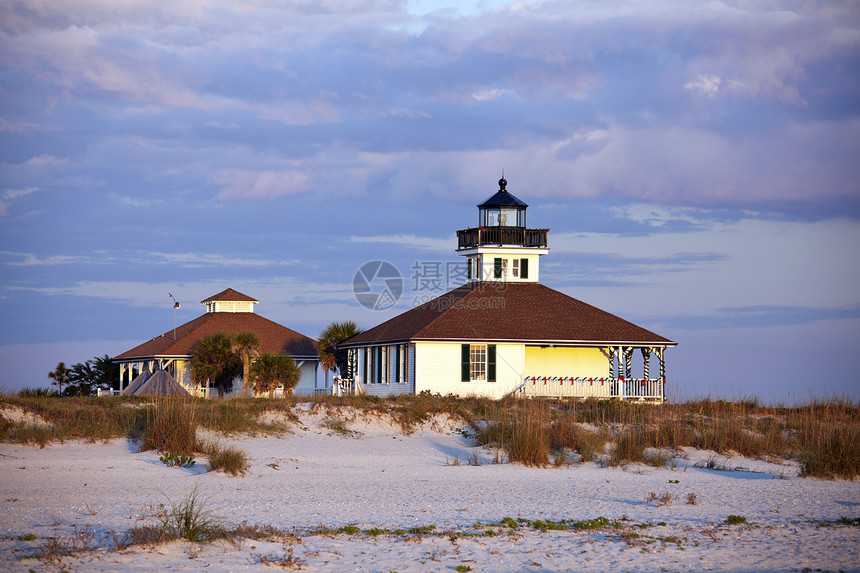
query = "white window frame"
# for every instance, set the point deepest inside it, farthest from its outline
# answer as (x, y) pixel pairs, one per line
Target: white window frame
(477, 362)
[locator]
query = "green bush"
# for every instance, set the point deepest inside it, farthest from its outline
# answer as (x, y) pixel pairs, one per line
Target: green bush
(172, 459)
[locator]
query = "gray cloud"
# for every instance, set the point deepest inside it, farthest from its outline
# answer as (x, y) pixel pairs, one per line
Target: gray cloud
(676, 149)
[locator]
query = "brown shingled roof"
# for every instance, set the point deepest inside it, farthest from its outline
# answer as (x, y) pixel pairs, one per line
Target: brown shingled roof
(273, 337)
(229, 295)
(527, 312)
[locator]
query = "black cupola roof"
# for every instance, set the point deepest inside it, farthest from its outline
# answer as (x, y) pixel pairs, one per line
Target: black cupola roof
(502, 198)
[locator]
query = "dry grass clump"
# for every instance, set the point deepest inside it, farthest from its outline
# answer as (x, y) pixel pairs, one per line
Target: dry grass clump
(566, 435)
(629, 447)
(521, 432)
(662, 500)
(192, 520)
(228, 459)
(55, 548)
(830, 451)
(171, 426)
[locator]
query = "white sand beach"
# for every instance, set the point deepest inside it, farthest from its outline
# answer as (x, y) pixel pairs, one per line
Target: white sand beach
(313, 479)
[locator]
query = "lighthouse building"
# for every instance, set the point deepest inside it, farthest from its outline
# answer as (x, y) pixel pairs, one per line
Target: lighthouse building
(503, 332)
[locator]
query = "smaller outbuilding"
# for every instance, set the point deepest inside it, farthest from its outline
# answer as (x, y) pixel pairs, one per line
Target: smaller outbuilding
(230, 312)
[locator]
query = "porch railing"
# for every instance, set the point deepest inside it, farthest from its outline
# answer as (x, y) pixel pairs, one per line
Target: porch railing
(342, 387)
(651, 389)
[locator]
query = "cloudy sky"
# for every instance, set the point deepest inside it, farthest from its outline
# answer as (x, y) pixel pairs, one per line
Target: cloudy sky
(696, 162)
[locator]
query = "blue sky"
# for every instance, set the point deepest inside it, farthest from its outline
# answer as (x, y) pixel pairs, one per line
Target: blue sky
(696, 163)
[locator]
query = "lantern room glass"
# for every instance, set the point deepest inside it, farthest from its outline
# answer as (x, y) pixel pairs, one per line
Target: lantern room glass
(502, 217)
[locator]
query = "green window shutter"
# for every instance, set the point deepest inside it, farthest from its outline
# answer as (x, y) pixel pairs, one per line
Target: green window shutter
(491, 363)
(524, 268)
(406, 364)
(497, 268)
(465, 366)
(468, 268)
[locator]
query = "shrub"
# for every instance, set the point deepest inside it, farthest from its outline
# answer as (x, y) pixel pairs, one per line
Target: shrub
(171, 459)
(735, 519)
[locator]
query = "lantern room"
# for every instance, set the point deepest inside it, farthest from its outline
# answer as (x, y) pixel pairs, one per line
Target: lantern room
(501, 247)
(502, 209)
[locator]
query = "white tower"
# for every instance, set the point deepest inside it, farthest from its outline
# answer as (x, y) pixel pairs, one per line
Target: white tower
(501, 248)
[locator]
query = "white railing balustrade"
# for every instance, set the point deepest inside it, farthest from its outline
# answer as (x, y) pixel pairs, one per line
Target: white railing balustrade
(582, 387)
(342, 387)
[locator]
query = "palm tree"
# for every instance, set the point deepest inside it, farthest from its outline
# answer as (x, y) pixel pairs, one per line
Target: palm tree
(270, 369)
(107, 372)
(246, 345)
(330, 337)
(60, 376)
(81, 379)
(213, 359)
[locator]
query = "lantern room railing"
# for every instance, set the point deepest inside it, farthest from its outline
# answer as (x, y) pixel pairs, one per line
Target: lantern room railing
(519, 236)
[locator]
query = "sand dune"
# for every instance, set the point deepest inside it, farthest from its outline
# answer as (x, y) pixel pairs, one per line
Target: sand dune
(376, 477)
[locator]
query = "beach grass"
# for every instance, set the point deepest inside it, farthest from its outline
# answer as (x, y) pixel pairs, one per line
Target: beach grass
(228, 459)
(823, 436)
